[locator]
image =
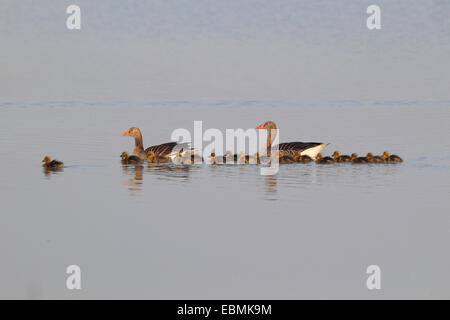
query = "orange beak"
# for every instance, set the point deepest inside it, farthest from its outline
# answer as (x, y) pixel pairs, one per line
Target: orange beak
(260, 126)
(126, 133)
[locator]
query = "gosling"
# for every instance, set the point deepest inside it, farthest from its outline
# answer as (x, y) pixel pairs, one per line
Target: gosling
(356, 159)
(52, 164)
(341, 158)
(374, 159)
(391, 158)
(324, 160)
(127, 159)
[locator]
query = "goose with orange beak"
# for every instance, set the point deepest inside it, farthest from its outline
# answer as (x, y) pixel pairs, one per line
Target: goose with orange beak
(169, 149)
(310, 149)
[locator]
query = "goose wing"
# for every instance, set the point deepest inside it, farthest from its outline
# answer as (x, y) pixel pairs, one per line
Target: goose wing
(305, 148)
(168, 149)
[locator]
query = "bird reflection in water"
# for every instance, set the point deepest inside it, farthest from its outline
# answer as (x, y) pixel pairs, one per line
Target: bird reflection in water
(48, 172)
(135, 176)
(270, 187)
(170, 172)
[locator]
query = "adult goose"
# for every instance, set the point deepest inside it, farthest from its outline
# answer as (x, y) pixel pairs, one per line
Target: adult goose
(310, 149)
(169, 149)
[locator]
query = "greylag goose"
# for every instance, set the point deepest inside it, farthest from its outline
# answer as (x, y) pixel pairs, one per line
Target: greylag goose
(169, 149)
(310, 149)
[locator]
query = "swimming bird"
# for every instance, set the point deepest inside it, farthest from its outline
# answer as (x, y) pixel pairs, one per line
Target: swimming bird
(127, 159)
(286, 158)
(154, 158)
(305, 148)
(302, 159)
(254, 159)
(324, 160)
(213, 159)
(182, 158)
(374, 159)
(52, 164)
(196, 158)
(169, 149)
(356, 159)
(391, 158)
(341, 158)
(229, 157)
(241, 158)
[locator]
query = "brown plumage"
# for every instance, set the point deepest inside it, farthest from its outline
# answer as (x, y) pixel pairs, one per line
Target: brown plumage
(213, 159)
(341, 158)
(153, 158)
(286, 158)
(374, 159)
(356, 159)
(391, 158)
(302, 159)
(52, 164)
(127, 159)
(290, 148)
(163, 150)
(324, 160)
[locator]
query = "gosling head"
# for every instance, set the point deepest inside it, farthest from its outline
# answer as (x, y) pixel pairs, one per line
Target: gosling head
(319, 156)
(47, 160)
(124, 155)
(213, 155)
(369, 155)
(336, 155)
(386, 155)
(354, 156)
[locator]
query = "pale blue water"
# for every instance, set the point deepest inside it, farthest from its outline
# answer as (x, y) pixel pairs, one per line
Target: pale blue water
(224, 231)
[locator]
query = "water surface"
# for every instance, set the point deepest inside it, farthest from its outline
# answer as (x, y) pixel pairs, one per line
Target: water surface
(224, 231)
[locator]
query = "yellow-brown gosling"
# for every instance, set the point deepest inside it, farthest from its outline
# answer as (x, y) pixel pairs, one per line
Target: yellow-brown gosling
(52, 164)
(213, 159)
(391, 158)
(127, 159)
(324, 160)
(341, 158)
(356, 159)
(286, 158)
(374, 159)
(302, 158)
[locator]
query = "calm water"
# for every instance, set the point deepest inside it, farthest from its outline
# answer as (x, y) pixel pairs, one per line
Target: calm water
(207, 231)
